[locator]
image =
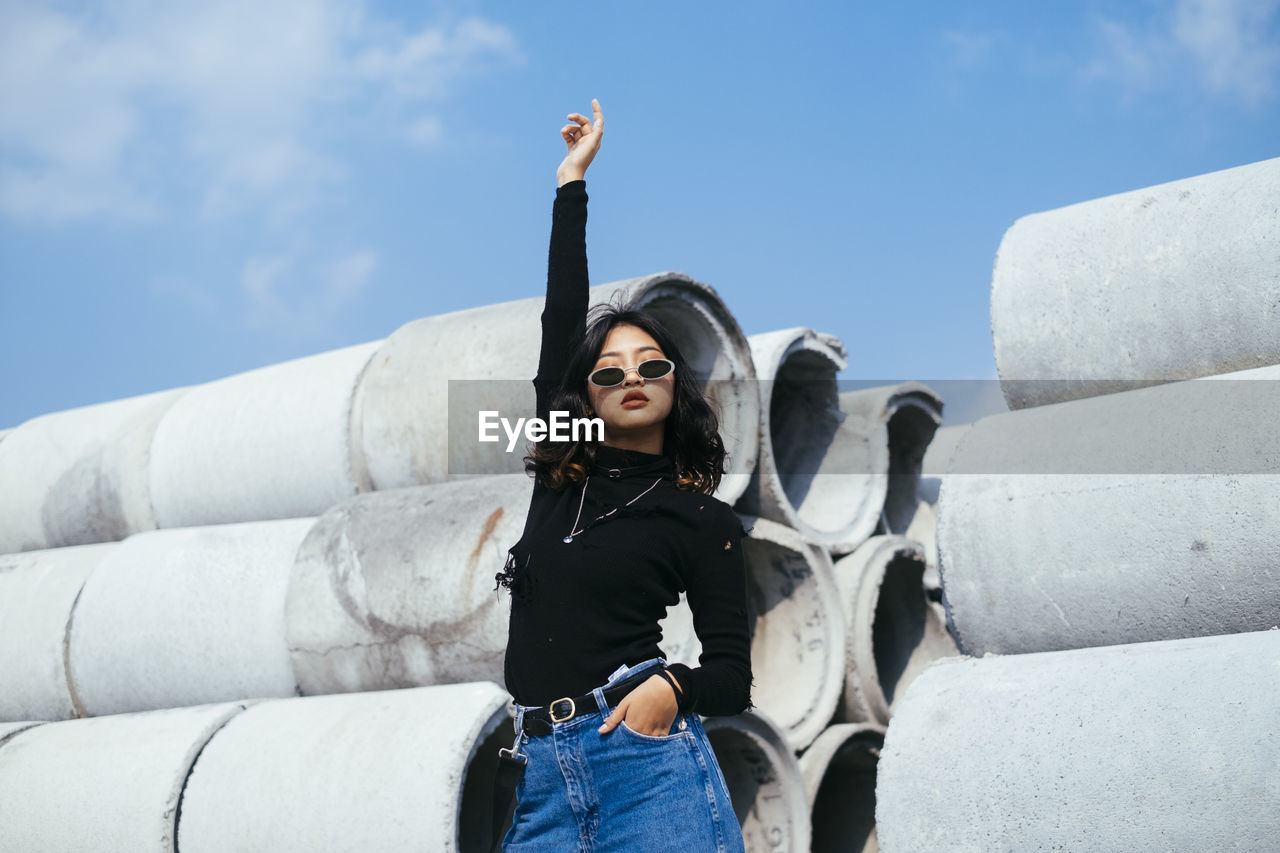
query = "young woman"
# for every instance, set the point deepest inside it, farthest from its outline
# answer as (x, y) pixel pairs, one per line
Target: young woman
(616, 757)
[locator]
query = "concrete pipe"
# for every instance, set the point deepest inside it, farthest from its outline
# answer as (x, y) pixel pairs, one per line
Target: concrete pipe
(924, 526)
(764, 780)
(1145, 515)
(38, 590)
(396, 588)
(886, 432)
(1168, 282)
(1153, 746)
(387, 771)
(113, 783)
(840, 781)
(797, 631)
(891, 631)
(183, 617)
(80, 476)
(276, 442)
(9, 730)
(419, 403)
(799, 421)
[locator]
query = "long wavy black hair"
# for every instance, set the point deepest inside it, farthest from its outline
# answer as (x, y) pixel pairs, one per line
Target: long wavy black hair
(691, 432)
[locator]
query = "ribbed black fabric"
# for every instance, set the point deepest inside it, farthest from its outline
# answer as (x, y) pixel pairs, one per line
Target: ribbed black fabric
(580, 610)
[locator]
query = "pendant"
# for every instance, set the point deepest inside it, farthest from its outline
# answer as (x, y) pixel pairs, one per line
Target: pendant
(568, 539)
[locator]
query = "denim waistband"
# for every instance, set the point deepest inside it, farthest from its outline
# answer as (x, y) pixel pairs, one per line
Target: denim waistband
(622, 673)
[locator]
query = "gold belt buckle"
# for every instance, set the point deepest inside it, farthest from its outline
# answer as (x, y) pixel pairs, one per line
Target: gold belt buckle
(551, 709)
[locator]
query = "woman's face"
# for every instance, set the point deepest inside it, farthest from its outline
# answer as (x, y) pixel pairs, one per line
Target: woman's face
(626, 346)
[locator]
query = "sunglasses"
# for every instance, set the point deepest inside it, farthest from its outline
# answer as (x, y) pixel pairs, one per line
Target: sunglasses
(610, 377)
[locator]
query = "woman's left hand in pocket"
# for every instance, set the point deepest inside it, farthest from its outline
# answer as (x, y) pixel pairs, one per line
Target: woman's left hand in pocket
(649, 709)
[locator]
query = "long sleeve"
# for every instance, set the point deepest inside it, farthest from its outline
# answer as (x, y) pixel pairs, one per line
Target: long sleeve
(717, 595)
(564, 316)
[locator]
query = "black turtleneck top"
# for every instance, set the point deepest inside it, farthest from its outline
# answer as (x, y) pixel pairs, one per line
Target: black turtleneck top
(579, 610)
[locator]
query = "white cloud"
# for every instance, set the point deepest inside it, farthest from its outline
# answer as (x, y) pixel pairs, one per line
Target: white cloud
(970, 48)
(426, 130)
(218, 107)
(1228, 48)
(303, 301)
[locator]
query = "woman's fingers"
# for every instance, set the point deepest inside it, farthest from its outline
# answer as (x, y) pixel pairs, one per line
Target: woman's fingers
(599, 116)
(614, 718)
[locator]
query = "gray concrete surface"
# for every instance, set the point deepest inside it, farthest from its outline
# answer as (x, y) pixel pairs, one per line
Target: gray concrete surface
(936, 459)
(891, 631)
(275, 442)
(37, 592)
(9, 730)
(797, 632)
(408, 404)
(1154, 746)
(106, 784)
(1167, 282)
(764, 780)
(840, 782)
(1049, 550)
(388, 771)
(184, 617)
(80, 476)
(396, 588)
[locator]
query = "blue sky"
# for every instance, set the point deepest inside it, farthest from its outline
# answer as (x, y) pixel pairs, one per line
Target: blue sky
(190, 190)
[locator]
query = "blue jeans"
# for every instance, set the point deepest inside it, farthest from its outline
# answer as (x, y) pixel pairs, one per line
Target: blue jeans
(622, 790)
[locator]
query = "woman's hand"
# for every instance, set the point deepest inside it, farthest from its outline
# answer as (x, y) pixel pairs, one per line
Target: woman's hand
(649, 709)
(583, 139)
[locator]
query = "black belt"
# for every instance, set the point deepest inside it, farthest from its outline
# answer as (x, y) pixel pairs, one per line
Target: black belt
(537, 721)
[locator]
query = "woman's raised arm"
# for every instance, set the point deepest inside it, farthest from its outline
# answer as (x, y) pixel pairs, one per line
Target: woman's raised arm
(564, 315)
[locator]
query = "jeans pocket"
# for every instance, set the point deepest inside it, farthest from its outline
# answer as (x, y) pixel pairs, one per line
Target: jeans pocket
(679, 729)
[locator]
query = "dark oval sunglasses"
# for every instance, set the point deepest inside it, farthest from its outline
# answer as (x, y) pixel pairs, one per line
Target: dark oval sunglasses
(609, 377)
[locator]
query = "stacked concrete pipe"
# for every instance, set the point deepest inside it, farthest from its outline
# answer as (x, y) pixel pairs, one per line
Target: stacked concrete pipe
(797, 632)
(892, 630)
(1043, 752)
(799, 421)
(887, 431)
(433, 376)
(80, 476)
(277, 442)
(1167, 282)
(184, 617)
(38, 591)
(388, 771)
(396, 588)
(764, 779)
(111, 783)
(1116, 519)
(840, 782)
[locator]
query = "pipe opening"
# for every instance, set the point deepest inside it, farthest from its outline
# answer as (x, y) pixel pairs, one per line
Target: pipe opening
(804, 418)
(911, 428)
(844, 810)
(475, 811)
(899, 625)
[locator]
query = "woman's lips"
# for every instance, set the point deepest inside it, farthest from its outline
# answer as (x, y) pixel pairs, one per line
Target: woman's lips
(635, 401)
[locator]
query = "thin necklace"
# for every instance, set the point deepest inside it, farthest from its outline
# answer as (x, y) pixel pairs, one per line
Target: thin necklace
(573, 532)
